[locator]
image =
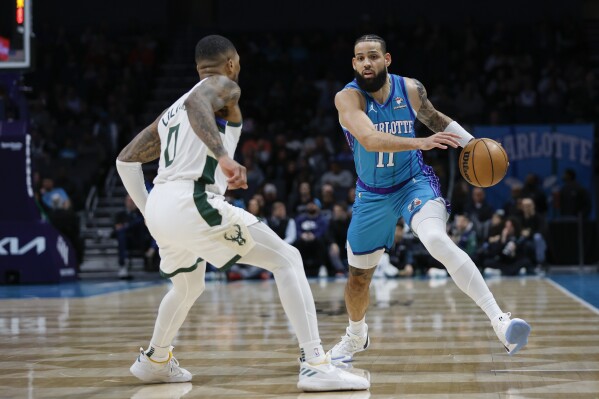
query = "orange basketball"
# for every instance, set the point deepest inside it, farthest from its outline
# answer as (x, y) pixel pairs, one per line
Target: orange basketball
(483, 162)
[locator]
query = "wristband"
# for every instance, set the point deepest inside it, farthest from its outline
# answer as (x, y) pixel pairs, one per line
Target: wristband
(455, 127)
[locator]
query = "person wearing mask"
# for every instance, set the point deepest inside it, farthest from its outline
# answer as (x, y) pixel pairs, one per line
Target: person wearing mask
(311, 229)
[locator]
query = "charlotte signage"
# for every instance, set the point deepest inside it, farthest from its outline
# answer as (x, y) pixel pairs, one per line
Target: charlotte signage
(545, 150)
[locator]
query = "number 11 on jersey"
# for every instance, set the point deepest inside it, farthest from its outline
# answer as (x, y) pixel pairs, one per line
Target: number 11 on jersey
(381, 162)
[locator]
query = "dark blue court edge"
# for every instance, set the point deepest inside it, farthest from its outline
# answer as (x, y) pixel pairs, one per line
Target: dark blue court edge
(77, 289)
(583, 286)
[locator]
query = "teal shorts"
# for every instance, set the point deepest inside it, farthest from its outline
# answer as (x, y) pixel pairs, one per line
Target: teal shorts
(375, 214)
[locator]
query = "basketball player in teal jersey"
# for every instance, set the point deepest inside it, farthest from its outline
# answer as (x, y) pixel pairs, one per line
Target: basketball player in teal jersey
(377, 111)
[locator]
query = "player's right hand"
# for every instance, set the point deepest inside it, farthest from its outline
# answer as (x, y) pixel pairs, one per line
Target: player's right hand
(235, 173)
(440, 140)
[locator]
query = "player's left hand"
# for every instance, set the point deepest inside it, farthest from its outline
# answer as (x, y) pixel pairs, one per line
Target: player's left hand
(235, 172)
(440, 140)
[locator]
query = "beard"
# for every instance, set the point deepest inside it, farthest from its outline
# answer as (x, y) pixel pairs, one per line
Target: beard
(371, 85)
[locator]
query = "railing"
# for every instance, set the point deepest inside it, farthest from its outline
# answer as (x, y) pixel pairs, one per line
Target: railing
(110, 182)
(91, 202)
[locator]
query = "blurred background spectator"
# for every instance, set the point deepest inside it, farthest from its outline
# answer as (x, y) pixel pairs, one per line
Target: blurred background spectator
(133, 237)
(399, 260)
(574, 200)
(462, 232)
(283, 225)
(312, 227)
(337, 237)
(507, 252)
(56, 205)
(534, 231)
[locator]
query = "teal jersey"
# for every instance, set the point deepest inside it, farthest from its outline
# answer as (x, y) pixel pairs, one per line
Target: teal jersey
(383, 172)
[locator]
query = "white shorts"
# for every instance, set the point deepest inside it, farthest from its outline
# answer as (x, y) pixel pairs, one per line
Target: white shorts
(364, 261)
(191, 225)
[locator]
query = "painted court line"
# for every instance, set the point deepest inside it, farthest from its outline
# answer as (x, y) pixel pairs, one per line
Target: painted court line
(545, 371)
(573, 296)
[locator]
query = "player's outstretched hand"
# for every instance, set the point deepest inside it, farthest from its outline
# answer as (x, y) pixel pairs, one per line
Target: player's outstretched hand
(235, 172)
(440, 140)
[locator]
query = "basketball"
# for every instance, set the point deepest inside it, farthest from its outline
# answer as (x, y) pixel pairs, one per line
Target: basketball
(483, 162)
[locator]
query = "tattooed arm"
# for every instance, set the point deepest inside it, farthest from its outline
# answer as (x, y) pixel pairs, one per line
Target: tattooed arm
(350, 106)
(433, 119)
(216, 94)
(144, 147)
(426, 112)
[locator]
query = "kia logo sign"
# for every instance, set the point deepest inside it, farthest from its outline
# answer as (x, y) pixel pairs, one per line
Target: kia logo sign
(10, 246)
(63, 250)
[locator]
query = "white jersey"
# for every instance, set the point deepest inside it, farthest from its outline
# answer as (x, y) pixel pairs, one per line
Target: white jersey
(183, 155)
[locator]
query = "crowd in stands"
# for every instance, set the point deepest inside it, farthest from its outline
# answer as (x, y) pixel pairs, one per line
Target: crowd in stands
(89, 90)
(510, 240)
(86, 92)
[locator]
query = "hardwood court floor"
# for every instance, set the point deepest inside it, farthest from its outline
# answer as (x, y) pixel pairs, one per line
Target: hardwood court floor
(428, 341)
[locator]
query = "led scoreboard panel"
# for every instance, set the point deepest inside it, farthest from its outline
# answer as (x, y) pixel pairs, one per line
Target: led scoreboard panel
(15, 34)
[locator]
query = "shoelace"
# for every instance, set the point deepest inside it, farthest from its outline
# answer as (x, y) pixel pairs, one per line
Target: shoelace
(173, 363)
(347, 340)
(504, 318)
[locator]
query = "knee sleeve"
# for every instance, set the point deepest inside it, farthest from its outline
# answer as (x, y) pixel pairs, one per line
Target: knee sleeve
(430, 228)
(434, 238)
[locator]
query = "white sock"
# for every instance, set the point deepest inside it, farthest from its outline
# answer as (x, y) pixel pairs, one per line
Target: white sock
(312, 352)
(488, 304)
(157, 353)
(358, 327)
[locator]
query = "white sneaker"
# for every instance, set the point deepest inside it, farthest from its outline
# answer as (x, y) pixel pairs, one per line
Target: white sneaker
(148, 370)
(513, 333)
(391, 271)
(326, 377)
(349, 345)
(433, 272)
(489, 272)
(378, 272)
(124, 273)
(336, 395)
(163, 391)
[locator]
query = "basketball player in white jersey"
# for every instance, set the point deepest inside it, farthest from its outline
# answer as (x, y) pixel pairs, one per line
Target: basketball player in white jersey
(192, 223)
